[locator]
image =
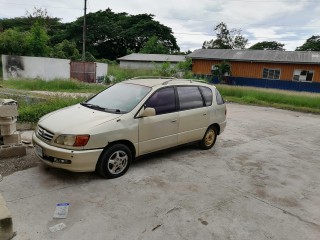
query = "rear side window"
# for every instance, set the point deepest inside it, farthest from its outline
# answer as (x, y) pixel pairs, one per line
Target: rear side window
(189, 97)
(207, 94)
(163, 101)
(219, 98)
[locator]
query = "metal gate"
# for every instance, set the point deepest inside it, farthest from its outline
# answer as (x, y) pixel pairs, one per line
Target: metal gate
(83, 71)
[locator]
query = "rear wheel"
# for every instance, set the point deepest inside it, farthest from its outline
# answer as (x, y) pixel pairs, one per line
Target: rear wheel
(114, 161)
(209, 138)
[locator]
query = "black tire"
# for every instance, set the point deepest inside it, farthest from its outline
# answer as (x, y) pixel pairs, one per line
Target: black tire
(114, 161)
(209, 138)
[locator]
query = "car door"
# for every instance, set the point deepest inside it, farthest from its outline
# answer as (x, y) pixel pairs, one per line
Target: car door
(160, 131)
(193, 114)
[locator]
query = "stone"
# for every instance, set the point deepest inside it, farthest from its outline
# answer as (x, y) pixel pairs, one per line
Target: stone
(7, 120)
(12, 139)
(6, 226)
(8, 129)
(8, 110)
(16, 150)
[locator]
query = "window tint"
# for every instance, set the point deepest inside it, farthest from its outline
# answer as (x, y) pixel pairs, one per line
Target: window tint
(189, 97)
(163, 101)
(219, 98)
(207, 94)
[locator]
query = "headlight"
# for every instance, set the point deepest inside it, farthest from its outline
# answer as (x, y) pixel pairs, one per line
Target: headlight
(73, 140)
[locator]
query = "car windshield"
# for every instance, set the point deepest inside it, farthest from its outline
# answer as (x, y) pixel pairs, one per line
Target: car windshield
(119, 98)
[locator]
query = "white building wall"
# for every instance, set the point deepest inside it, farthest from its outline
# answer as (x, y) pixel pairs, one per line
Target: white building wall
(35, 67)
(102, 70)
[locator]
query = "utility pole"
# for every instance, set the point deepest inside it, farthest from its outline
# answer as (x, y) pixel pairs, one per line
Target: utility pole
(84, 32)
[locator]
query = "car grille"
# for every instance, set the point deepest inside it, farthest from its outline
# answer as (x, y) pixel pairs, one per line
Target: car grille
(45, 134)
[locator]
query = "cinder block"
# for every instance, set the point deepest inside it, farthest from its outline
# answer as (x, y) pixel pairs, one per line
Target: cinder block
(6, 226)
(17, 150)
(8, 110)
(8, 129)
(7, 120)
(12, 139)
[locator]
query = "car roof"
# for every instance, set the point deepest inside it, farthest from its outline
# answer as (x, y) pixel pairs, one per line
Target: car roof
(154, 81)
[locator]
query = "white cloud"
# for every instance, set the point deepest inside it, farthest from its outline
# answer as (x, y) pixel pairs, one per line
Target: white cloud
(193, 21)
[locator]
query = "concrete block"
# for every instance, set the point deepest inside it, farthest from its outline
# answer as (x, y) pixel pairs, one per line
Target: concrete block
(6, 226)
(8, 110)
(16, 150)
(7, 120)
(8, 129)
(12, 139)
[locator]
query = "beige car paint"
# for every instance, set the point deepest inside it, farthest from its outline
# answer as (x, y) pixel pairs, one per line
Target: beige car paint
(145, 134)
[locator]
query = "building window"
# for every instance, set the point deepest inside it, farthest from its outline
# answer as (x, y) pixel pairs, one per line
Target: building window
(303, 75)
(269, 73)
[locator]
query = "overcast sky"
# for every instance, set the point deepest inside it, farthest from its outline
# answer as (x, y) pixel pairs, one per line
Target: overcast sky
(287, 21)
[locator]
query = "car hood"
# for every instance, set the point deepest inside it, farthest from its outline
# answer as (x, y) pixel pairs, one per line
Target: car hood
(75, 119)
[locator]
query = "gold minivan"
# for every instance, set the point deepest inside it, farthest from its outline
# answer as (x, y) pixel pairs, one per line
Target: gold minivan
(127, 120)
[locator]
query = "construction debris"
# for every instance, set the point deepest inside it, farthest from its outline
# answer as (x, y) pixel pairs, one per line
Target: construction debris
(10, 138)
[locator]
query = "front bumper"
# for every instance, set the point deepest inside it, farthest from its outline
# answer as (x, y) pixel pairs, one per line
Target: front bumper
(75, 160)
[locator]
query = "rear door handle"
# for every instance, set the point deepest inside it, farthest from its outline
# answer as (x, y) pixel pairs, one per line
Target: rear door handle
(173, 121)
(204, 114)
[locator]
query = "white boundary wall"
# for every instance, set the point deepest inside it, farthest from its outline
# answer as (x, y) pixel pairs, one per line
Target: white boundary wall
(35, 67)
(15, 67)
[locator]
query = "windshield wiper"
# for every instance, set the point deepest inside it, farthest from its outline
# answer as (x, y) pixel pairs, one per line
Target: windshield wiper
(97, 107)
(93, 106)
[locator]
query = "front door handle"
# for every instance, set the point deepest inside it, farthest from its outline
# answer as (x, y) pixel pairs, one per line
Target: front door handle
(204, 114)
(173, 121)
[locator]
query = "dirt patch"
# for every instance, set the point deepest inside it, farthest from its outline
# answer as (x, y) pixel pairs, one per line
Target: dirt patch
(11, 165)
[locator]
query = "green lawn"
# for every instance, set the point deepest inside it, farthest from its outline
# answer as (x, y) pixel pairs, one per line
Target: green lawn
(291, 100)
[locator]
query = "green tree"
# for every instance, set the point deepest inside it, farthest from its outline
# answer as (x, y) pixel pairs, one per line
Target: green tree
(226, 39)
(184, 66)
(13, 42)
(268, 45)
(311, 44)
(111, 35)
(38, 40)
(66, 49)
(154, 46)
(222, 71)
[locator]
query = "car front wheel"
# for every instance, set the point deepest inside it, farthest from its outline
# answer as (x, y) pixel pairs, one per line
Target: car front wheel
(114, 161)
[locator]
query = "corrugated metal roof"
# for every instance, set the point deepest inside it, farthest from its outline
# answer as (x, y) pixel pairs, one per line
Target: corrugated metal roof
(140, 57)
(257, 55)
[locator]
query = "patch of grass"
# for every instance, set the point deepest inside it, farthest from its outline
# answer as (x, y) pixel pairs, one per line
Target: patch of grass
(119, 74)
(31, 109)
(58, 85)
(297, 101)
(32, 113)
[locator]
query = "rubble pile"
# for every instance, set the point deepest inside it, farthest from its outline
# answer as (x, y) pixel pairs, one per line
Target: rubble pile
(10, 138)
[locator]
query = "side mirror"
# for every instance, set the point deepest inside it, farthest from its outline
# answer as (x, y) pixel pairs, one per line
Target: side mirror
(147, 112)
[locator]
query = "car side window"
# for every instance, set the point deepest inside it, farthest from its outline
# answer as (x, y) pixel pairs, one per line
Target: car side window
(189, 97)
(207, 94)
(219, 98)
(163, 101)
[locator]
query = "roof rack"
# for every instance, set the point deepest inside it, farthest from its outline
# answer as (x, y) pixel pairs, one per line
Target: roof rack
(199, 80)
(151, 77)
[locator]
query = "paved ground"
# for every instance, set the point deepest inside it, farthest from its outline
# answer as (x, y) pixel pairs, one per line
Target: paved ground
(260, 181)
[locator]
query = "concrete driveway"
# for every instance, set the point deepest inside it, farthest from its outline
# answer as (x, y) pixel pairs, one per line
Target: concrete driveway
(260, 181)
